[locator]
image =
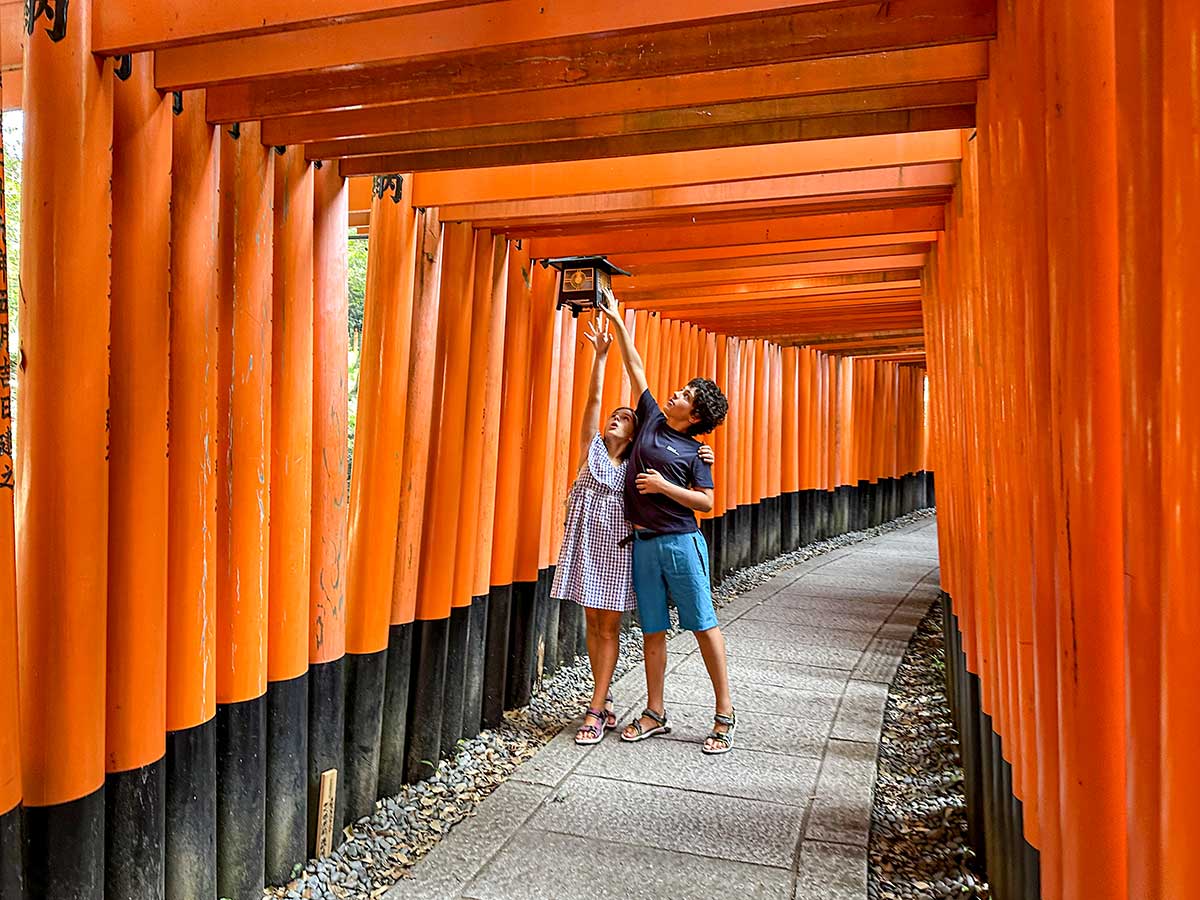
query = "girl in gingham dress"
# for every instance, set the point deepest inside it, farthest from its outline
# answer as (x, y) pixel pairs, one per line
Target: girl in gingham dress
(595, 562)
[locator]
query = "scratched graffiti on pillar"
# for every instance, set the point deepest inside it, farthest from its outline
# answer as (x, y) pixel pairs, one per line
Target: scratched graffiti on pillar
(6, 435)
(54, 11)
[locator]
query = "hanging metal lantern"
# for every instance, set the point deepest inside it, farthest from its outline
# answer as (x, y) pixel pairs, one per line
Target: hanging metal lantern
(584, 280)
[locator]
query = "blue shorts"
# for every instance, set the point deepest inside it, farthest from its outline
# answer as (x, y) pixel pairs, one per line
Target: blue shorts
(675, 564)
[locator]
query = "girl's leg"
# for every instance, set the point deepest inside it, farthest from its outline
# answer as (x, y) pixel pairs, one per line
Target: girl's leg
(603, 643)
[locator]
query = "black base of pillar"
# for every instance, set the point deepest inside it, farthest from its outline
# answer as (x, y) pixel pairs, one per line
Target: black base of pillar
(454, 691)
(541, 611)
(64, 849)
(495, 670)
(190, 848)
(552, 655)
(366, 676)
(521, 649)
(241, 798)
(427, 685)
(326, 734)
(287, 779)
(135, 829)
(12, 876)
(569, 615)
(393, 734)
(472, 716)
(995, 817)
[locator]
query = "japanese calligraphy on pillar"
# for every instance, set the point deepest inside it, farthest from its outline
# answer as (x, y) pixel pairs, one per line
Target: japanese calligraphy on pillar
(6, 447)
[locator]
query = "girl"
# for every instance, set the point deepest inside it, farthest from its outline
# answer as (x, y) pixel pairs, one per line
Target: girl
(595, 562)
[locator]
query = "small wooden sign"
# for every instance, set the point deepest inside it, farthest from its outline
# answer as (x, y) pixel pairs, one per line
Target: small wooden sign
(328, 802)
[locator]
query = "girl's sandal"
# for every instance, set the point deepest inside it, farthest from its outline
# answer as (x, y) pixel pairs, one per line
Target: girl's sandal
(660, 726)
(591, 734)
(610, 718)
(723, 739)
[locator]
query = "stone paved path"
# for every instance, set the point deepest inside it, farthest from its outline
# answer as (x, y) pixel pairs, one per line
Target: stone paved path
(786, 816)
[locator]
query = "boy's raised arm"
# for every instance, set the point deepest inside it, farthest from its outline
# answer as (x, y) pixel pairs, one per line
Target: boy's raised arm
(633, 359)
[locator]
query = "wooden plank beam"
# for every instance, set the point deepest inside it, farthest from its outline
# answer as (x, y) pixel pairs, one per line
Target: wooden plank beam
(918, 66)
(742, 113)
(788, 187)
(767, 261)
(794, 228)
(129, 26)
(747, 252)
(12, 36)
(525, 45)
(750, 276)
(819, 289)
(895, 122)
(749, 292)
(662, 170)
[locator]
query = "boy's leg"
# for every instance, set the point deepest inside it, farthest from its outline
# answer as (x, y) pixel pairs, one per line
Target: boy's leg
(690, 586)
(651, 592)
(712, 648)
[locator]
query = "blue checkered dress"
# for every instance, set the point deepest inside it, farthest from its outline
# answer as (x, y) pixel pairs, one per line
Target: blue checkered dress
(594, 570)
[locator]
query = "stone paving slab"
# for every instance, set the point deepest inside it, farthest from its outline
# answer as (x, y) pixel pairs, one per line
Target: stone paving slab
(719, 827)
(773, 672)
(751, 774)
(831, 872)
(542, 865)
(786, 816)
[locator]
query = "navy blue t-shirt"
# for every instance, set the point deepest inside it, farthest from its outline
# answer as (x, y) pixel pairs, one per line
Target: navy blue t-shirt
(674, 456)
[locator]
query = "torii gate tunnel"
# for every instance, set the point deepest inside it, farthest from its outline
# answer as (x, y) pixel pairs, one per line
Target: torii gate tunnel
(903, 236)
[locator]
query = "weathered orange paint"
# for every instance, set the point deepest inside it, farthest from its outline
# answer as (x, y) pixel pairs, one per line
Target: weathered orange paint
(382, 410)
(244, 422)
(466, 257)
(419, 420)
(61, 468)
(289, 579)
(138, 403)
(327, 585)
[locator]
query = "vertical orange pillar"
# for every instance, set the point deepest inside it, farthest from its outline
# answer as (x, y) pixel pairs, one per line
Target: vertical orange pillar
(376, 466)
(1140, 147)
(327, 567)
(438, 532)
(190, 849)
(419, 424)
(537, 487)
(528, 565)
(513, 463)
(1085, 367)
(11, 879)
(570, 616)
(1180, 442)
(442, 543)
(289, 576)
(776, 424)
(492, 364)
(243, 511)
(475, 352)
(62, 455)
(720, 444)
(137, 511)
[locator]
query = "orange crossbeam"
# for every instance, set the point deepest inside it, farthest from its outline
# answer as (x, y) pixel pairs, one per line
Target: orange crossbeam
(566, 179)
(786, 229)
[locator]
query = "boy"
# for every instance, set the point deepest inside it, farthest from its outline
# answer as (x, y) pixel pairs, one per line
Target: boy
(666, 484)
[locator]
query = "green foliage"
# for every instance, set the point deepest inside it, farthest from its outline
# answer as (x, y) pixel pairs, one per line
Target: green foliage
(356, 287)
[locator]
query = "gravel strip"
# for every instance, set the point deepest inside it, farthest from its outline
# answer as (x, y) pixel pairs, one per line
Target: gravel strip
(380, 850)
(919, 824)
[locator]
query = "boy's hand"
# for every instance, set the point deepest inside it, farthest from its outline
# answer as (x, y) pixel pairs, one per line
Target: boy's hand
(599, 338)
(651, 482)
(706, 454)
